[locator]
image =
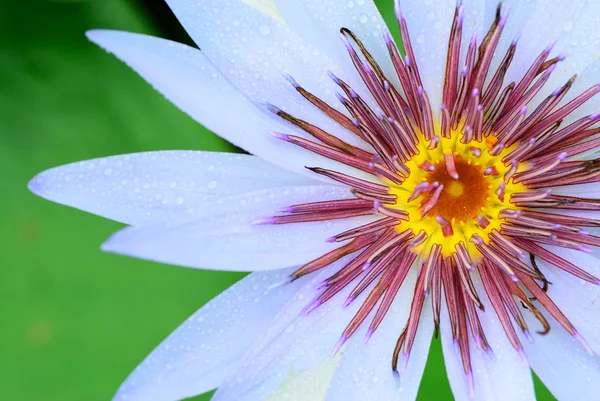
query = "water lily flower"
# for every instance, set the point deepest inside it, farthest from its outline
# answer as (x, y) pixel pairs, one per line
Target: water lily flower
(449, 189)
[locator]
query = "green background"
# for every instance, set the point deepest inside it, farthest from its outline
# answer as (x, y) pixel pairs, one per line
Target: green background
(76, 321)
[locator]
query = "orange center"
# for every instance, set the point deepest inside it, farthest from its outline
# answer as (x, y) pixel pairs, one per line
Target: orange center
(462, 198)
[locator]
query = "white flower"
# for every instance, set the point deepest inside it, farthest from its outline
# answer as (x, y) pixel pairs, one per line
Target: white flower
(454, 188)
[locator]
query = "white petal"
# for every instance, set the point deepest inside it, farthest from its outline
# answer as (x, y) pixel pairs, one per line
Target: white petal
(591, 190)
(187, 78)
(594, 230)
(429, 26)
(586, 78)
(570, 23)
(577, 299)
(519, 13)
(225, 238)
(253, 51)
(580, 39)
(319, 23)
(505, 376)
(153, 187)
(197, 356)
(588, 214)
(562, 365)
(294, 341)
(475, 22)
(365, 372)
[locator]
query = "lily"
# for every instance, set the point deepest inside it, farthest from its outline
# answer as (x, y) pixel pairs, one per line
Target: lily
(447, 190)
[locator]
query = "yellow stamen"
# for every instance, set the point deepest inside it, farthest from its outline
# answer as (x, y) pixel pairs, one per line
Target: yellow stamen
(464, 201)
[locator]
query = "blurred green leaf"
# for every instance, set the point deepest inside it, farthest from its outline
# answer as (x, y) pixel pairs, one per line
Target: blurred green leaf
(79, 320)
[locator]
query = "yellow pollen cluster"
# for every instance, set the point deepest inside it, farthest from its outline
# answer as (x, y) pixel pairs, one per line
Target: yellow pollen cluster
(470, 201)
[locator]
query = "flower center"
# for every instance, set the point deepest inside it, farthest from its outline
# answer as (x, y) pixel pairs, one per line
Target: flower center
(463, 197)
(455, 190)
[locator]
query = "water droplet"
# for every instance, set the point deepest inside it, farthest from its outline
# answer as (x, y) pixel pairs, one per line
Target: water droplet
(179, 200)
(211, 184)
(264, 30)
(568, 25)
(108, 171)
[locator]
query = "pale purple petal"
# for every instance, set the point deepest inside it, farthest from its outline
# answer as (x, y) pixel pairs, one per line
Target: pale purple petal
(587, 78)
(501, 377)
(294, 341)
(591, 190)
(365, 370)
(225, 238)
(429, 26)
(154, 187)
(577, 299)
(319, 23)
(519, 14)
(571, 24)
(588, 214)
(187, 78)
(565, 368)
(255, 51)
(197, 356)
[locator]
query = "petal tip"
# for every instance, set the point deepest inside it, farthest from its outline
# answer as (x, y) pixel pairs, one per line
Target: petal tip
(36, 184)
(112, 244)
(97, 36)
(43, 185)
